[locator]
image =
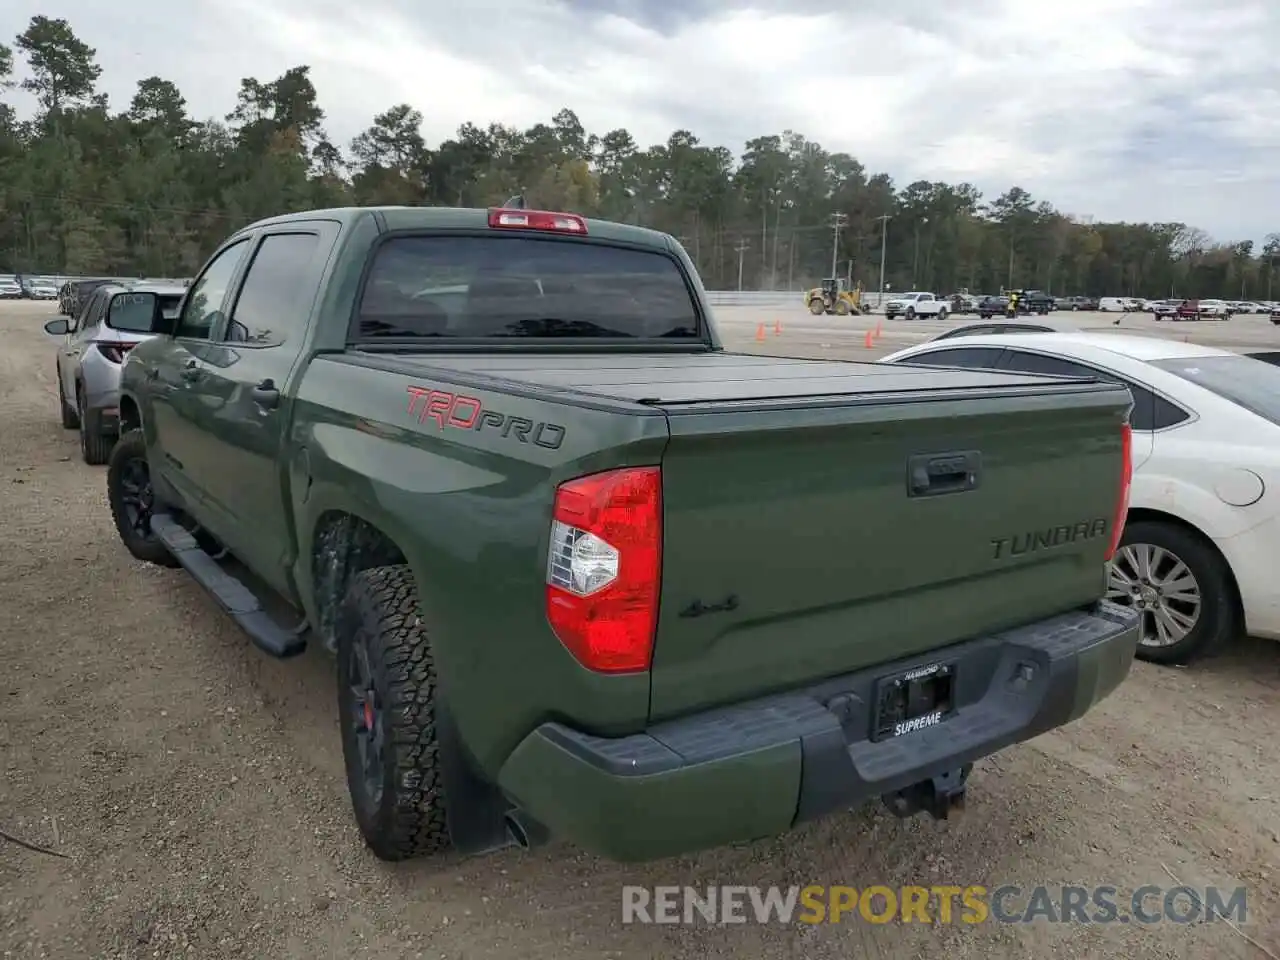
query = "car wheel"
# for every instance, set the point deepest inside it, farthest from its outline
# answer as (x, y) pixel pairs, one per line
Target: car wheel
(95, 446)
(386, 709)
(911, 313)
(1182, 588)
(131, 498)
(816, 307)
(70, 419)
(942, 314)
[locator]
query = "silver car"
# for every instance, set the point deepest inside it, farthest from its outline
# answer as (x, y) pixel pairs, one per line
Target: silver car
(41, 288)
(10, 289)
(115, 319)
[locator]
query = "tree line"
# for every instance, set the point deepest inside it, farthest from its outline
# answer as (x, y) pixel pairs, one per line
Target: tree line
(151, 190)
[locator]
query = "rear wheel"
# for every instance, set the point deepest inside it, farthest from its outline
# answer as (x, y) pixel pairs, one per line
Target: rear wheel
(1181, 587)
(816, 307)
(95, 446)
(842, 308)
(386, 707)
(942, 314)
(132, 500)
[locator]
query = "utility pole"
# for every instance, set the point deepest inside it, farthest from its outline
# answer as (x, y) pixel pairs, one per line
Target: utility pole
(742, 249)
(915, 263)
(884, 237)
(838, 220)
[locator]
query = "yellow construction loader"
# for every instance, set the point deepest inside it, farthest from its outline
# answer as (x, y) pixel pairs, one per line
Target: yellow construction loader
(834, 297)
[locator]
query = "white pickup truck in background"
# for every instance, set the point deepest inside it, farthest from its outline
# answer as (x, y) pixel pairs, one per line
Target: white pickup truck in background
(912, 305)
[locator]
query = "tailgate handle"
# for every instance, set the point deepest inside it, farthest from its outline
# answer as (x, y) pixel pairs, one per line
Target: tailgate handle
(933, 474)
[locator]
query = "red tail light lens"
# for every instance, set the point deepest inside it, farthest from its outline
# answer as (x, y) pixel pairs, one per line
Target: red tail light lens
(604, 568)
(537, 220)
(115, 352)
(1126, 482)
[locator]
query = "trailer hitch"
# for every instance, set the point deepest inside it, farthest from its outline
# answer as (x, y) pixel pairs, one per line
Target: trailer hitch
(938, 796)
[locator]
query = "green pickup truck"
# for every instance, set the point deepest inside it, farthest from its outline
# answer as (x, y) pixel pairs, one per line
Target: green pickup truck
(586, 573)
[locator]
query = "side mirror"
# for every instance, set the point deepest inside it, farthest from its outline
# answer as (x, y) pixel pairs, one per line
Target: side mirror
(57, 327)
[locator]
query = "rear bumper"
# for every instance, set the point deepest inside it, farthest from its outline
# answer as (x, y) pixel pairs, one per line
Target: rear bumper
(758, 768)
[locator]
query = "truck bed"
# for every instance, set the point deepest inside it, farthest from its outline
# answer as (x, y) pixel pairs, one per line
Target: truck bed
(698, 378)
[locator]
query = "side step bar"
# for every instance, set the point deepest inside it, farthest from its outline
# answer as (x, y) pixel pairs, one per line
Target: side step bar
(233, 596)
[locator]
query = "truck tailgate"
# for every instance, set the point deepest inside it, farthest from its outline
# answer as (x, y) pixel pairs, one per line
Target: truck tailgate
(794, 551)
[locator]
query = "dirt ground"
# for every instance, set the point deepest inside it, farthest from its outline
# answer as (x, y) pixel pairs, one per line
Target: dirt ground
(195, 787)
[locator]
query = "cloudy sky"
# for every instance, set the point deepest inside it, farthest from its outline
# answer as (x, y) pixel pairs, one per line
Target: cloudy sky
(1118, 109)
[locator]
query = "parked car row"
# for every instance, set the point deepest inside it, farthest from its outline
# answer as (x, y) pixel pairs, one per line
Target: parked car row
(25, 287)
(1038, 302)
(1188, 309)
(985, 305)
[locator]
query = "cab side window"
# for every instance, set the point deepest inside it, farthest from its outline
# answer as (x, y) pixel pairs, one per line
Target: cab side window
(275, 298)
(204, 299)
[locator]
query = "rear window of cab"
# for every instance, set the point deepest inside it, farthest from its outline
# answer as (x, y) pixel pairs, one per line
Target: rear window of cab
(483, 287)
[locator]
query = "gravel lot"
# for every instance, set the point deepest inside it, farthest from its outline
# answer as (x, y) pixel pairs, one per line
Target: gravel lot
(195, 787)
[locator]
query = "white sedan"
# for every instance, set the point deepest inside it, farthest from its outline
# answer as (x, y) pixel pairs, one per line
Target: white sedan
(1200, 553)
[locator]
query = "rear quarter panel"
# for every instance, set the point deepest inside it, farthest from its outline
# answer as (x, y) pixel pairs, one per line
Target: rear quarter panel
(470, 510)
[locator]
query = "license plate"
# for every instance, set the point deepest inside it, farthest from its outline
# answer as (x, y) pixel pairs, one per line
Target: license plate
(913, 700)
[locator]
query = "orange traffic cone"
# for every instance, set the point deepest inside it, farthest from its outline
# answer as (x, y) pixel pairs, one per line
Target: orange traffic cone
(777, 328)
(867, 340)
(760, 333)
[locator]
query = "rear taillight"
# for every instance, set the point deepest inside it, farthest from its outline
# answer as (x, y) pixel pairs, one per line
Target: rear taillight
(1126, 482)
(604, 568)
(537, 220)
(113, 351)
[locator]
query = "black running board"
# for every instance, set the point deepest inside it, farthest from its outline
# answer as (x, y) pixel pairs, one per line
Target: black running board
(232, 595)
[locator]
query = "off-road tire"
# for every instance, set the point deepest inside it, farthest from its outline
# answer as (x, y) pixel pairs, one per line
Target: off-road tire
(817, 307)
(842, 308)
(380, 615)
(1219, 618)
(95, 446)
(70, 419)
(146, 548)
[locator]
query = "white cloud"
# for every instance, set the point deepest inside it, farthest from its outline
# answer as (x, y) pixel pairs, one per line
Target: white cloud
(1135, 109)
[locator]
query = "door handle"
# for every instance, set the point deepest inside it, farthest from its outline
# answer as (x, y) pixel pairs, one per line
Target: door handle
(266, 395)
